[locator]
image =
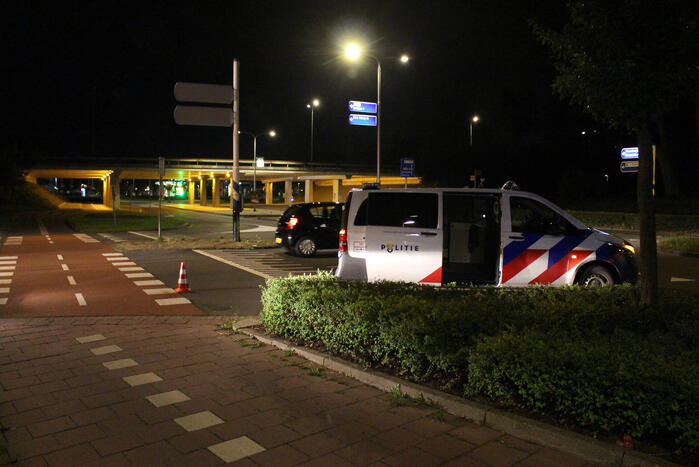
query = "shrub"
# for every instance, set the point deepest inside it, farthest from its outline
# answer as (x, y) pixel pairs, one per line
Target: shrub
(588, 356)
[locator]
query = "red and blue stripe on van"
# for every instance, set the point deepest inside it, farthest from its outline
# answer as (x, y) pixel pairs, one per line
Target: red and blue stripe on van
(563, 256)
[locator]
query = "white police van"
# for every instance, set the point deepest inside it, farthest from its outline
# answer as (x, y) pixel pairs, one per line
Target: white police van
(474, 236)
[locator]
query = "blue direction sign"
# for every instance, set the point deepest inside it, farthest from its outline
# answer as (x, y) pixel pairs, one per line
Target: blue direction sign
(629, 166)
(629, 153)
(359, 106)
(362, 120)
(407, 167)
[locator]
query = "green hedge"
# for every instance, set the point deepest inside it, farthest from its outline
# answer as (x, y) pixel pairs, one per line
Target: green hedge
(591, 357)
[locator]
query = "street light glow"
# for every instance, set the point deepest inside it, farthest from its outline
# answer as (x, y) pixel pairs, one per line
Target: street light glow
(404, 58)
(316, 102)
(352, 51)
(475, 119)
(272, 133)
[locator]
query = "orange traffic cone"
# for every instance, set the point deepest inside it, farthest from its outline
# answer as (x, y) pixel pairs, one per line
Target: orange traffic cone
(182, 285)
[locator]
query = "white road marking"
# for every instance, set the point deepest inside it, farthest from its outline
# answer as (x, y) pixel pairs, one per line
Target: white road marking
(105, 349)
(162, 291)
(65, 267)
(3, 301)
(7, 268)
(138, 275)
(51, 243)
(124, 263)
(6, 263)
(111, 237)
(60, 257)
(231, 263)
(7, 274)
(112, 254)
(131, 268)
(151, 237)
(117, 258)
(4, 290)
(42, 227)
(259, 228)
(90, 338)
(153, 282)
(81, 300)
(5, 281)
(86, 238)
(8, 257)
(681, 279)
(71, 280)
(172, 301)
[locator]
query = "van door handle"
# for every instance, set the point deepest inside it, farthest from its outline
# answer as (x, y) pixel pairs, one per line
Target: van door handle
(431, 234)
(517, 237)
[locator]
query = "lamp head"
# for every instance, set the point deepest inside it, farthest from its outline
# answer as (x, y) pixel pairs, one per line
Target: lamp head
(404, 58)
(272, 133)
(352, 51)
(316, 102)
(475, 119)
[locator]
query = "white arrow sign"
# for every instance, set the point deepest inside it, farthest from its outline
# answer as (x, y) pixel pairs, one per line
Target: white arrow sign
(203, 116)
(205, 93)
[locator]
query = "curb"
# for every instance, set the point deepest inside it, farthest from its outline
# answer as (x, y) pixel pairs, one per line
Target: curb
(678, 253)
(515, 425)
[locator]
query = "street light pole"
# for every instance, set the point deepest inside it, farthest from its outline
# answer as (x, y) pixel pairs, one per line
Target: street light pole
(474, 119)
(254, 164)
(312, 105)
(354, 52)
(378, 120)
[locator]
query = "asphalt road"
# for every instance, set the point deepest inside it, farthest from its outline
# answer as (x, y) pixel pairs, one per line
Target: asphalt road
(46, 270)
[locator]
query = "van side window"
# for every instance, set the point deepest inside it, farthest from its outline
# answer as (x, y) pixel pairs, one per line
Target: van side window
(530, 216)
(415, 210)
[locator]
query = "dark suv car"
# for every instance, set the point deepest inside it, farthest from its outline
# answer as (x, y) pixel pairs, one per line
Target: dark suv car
(308, 227)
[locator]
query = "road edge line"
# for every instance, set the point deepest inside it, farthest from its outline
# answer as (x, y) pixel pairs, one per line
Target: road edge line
(483, 414)
(231, 263)
(142, 235)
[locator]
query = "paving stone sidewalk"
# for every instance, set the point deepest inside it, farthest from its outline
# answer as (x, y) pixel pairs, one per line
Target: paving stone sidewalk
(175, 391)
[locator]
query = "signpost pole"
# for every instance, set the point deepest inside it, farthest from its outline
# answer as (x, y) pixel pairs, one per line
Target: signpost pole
(654, 170)
(161, 172)
(235, 192)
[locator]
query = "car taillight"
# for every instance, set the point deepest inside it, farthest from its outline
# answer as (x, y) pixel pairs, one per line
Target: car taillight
(343, 240)
(292, 223)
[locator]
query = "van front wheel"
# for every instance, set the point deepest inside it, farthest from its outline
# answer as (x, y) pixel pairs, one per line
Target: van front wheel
(596, 276)
(306, 246)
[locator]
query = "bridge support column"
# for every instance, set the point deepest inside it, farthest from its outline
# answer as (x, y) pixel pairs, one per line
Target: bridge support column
(215, 192)
(269, 193)
(190, 191)
(106, 192)
(115, 195)
(337, 190)
(202, 192)
(287, 192)
(308, 191)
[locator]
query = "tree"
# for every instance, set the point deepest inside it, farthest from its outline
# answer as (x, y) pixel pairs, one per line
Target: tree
(628, 63)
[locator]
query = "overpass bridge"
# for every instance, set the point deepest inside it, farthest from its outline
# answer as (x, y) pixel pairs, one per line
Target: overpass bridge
(207, 180)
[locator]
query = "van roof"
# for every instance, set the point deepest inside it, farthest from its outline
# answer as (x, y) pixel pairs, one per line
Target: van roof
(437, 190)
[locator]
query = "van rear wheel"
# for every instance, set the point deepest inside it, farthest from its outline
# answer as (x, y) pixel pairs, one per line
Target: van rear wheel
(596, 276)
(306, 246)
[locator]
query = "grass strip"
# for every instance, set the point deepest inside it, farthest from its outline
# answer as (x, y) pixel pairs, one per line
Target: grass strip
(683, 244)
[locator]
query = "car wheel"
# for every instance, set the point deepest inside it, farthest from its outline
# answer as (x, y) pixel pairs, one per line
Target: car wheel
(596, 276)
(306, 246)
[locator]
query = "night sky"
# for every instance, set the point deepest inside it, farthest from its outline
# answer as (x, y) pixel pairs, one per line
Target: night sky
(95, 79)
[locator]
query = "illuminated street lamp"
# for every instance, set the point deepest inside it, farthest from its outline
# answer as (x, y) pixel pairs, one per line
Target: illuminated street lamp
(315, 103)
(354, 52)
(271, 134)
(474, 119)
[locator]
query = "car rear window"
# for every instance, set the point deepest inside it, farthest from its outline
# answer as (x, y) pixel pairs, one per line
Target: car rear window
(294, 210)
